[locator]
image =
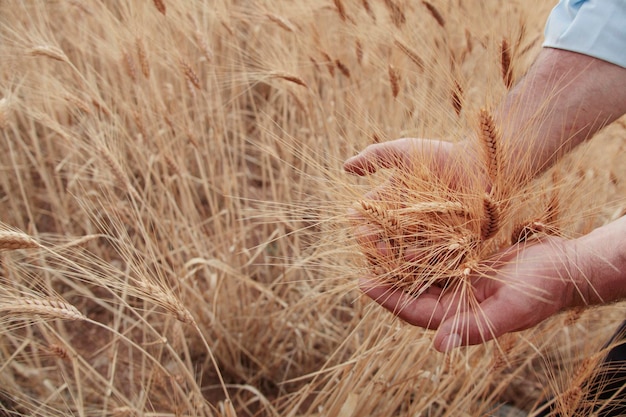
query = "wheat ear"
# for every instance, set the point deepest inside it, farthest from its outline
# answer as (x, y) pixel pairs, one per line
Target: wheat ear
(143, 57)
(457, 98)
(282, 22)
(410, 53)
(505, 63)
(435, 13)
(42, 307)
(4, 113)
(379, 215)
(289, 77)
(190, 74)
(489, 137)
(396, 13)
(341, 10)
(491, 218)
(394, 80)
(10, 240)
(160, 6)
(49, 51)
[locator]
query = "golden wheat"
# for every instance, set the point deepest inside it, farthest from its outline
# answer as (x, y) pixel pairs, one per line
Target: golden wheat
(505, 63)
(435, 13)
(49, 308)
(378, 214)
(49, 51)
(410, 53)
(288, 77)
(190, 74)
(489, 137)
(143, 57)
(160, 6)
(236, 224)
(396, 13)
(457, 98)
(282, 22)
(4, 112)
(129, 65)
(394, 81)
(12, 240)
(341, 10)
(343, 68)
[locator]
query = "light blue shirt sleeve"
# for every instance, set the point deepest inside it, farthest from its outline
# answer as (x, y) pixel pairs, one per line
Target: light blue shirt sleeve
(592, 27)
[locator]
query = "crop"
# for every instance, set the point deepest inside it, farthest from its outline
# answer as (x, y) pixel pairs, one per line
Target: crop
(177, 236)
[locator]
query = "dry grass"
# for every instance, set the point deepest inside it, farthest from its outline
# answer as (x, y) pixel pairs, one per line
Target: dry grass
(174, 170)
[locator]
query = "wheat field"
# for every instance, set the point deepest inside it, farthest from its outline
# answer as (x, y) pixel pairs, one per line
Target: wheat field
(175, 237)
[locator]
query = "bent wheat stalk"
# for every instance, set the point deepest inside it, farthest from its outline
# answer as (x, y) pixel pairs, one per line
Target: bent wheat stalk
(11, 240)
(50, 308)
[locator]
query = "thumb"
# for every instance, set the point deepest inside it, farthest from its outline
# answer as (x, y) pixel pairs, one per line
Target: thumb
(397, 153)
(477, 325)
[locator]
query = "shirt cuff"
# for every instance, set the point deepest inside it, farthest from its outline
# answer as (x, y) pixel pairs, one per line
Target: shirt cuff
(592, 27)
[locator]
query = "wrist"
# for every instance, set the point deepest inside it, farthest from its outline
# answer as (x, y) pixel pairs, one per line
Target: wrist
(598, 265)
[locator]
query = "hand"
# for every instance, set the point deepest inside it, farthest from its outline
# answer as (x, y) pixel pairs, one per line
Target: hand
(449, 165)
(523, 286)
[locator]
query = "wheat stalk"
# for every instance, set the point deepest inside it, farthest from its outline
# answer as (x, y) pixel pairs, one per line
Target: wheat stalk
(12, 240)
(410, 53)
(42, 307)
(430, 207)
(78, 103)
(526, 231)
(59, 351)
(4, 113)
(129, 65)
(143, 57)
(329, 63)
(358, 49)
(343, 68)
(160, 6)
(505, 63)
(288, 77)
(435, 13)
(394, 80)
(395, 12)
(282, 22)
(457, 98)
(207, 52)
(490, 223)
(114, 167)
(368, 9)
(49, 51)
(489, 138)
(379, 215)
(341, 10)
(165, 299)
(190, 74)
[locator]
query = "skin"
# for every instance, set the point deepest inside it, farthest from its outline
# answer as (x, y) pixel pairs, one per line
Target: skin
(564, 99)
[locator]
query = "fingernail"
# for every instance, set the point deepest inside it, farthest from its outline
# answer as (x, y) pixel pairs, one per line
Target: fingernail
(450, 342)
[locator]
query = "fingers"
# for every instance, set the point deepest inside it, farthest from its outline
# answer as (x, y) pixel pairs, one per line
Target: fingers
(477, 325)
(374, 157)
(427, 310)
(399, 153)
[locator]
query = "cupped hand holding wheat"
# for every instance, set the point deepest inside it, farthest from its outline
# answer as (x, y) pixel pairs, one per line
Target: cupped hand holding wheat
(448, 163)
(525, 284)
(478, 299)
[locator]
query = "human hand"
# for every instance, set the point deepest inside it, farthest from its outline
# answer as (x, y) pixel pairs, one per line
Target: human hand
(516, 289)
(449, 167)
(513, 290)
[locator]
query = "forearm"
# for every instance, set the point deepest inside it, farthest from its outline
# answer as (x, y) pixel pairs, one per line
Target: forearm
(564, 99)
(598, 265)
